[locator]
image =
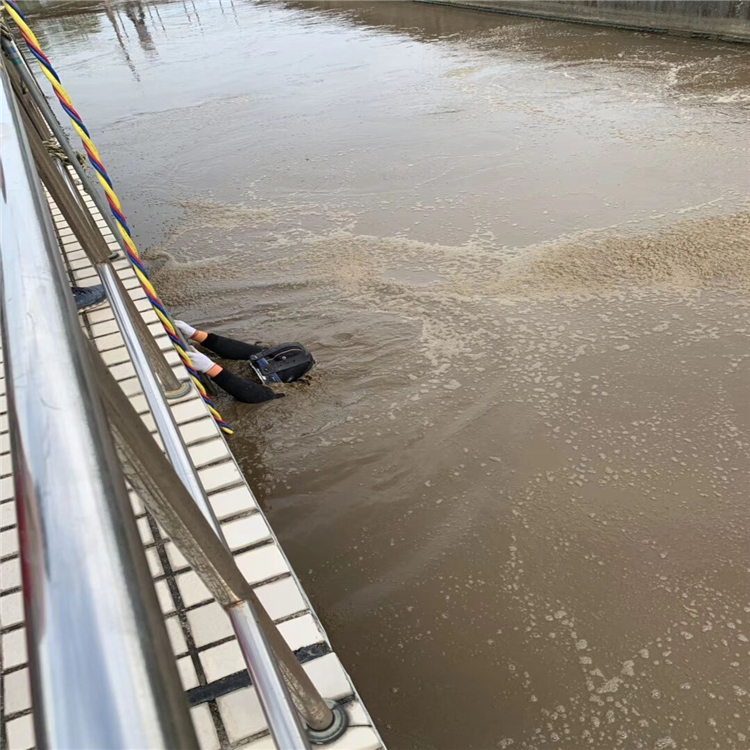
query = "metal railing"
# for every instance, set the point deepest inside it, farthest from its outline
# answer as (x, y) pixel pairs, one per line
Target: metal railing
(102, 669)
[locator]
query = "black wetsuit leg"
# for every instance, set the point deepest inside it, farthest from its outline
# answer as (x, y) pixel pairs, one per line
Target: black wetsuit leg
(244, 390)
(229, 348)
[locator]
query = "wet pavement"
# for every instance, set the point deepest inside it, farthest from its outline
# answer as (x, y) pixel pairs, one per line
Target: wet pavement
(516, 486)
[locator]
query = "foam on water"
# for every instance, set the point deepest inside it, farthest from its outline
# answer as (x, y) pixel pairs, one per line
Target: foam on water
(546, 396)
(466, 285)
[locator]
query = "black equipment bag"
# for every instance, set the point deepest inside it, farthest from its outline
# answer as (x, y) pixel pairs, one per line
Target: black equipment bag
(282, 364)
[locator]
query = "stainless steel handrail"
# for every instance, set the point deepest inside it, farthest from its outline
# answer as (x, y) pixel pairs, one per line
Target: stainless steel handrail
(102, 669)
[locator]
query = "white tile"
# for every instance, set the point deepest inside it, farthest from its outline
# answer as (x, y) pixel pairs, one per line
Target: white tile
(78, 263)
(242, 713)
(7, 514)
(192, 589)
(14, 648)
(100, 315)
(209, 623)
(139, 403)
(156, 437)
(123, 370)
(264, 562)
(21, 733)
(160, 335)
(176, 637)
(198, 430)
(262, 743)
(220, 475)
(246, 531)
(138, 507)
(8, 542)
(209, 452)
(357, 738)
(281, 598)
(182, 375)
(17, 691)
(74, 254)
(164, 596)
(301, 631)
(6, 488)
(148, 421)
(329, 676)
(131, 387)
(116, 356)
(243, 718)
(86, 278)
(191, 395)
(174, 358)
(132, 283)
(220, 661)
(102, 329)
(10, 573)
(144, 530)
(188, 675)
(11, 609)
(233, 501)
(154, 564)
(204, 727)
(188, 410)
(357, 714)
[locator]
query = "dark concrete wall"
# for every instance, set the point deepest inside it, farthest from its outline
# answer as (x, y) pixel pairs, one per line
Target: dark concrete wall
(719, 19)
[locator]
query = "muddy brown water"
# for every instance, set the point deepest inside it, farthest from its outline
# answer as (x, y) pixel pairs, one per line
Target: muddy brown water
(516, 488)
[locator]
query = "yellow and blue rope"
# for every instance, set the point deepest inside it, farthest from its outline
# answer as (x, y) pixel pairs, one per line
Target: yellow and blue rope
(11, 6)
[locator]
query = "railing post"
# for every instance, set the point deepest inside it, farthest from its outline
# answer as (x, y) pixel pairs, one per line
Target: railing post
(102, 670)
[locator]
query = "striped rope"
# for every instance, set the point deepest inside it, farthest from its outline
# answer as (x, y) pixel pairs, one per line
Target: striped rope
(11, 6)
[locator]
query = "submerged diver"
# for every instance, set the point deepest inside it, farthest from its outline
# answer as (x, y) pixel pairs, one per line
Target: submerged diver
(275, 365)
